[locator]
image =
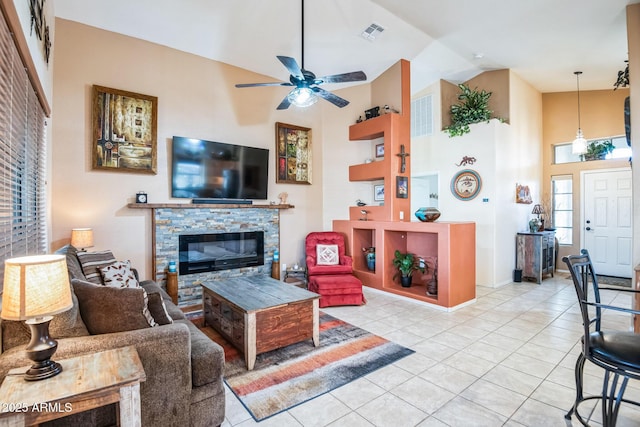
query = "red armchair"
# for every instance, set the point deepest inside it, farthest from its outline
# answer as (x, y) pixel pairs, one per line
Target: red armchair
(331, 271)
(345, 263)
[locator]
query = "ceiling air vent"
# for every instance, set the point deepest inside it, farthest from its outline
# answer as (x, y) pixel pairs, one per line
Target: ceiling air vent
(372, 31)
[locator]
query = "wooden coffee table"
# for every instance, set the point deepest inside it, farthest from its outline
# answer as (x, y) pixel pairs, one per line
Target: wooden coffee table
(258, 314)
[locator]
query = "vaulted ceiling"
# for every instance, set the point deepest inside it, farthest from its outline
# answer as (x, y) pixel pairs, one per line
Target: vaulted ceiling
(543, 41)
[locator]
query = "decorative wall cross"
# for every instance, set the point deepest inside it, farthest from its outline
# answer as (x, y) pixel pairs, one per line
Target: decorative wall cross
(402, 156)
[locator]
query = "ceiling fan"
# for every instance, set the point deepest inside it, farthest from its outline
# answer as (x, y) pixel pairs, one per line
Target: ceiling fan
(306, 83)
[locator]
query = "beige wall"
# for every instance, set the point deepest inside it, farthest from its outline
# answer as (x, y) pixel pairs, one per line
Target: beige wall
(601, 115)
(196, 98)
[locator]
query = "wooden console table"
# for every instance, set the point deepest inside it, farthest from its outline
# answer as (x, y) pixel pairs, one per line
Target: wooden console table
(258, 314)
(86, 382)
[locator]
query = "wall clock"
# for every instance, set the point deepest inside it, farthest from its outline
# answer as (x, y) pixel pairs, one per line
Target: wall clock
(466, 184)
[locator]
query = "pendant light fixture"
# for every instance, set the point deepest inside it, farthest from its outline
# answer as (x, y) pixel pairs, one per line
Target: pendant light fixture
(579, 145)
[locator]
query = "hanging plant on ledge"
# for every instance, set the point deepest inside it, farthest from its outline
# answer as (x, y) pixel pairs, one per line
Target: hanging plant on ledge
(473, 108)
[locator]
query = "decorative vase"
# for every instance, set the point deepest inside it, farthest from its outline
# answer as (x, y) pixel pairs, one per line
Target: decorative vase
(432, 285)
(534, 225)
(370, 257)
(429, 214)
(405, 281)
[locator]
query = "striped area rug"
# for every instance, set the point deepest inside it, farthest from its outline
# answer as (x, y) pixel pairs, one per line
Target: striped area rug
(292, 375)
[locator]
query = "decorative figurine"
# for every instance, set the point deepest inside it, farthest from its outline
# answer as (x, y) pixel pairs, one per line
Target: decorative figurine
(283, 198)
(467, 160)
(360, 203)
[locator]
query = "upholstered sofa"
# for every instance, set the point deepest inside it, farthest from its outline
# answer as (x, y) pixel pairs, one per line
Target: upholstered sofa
(183, 367)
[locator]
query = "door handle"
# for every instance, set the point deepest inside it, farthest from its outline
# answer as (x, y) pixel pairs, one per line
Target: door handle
(588, 228)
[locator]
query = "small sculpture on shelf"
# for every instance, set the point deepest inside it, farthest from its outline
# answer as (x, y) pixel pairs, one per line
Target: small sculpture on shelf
(283, 198)
(432, 284)
(364, 214)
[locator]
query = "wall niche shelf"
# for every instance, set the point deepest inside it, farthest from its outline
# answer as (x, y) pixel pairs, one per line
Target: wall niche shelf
(453, 243)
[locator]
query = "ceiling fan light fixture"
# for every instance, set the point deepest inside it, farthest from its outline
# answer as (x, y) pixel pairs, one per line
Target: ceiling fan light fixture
(302, 97)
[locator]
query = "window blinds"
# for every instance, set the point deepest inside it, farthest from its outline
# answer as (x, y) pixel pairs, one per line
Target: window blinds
(22, 158)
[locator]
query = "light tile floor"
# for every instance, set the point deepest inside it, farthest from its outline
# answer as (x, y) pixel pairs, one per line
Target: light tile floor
(506, 360)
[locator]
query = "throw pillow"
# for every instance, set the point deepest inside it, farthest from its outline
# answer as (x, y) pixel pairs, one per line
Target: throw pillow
(327, 255)
(158, 310)
(119, 275)
(106, 309)
(92, 262)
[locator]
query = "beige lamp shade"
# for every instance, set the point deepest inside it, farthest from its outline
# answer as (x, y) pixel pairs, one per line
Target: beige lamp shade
(82, 238)
(35, 286)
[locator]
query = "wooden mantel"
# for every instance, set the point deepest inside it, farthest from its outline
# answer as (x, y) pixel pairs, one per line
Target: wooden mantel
(204, 206)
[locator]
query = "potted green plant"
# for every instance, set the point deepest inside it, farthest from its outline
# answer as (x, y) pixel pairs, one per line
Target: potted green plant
(407, 263)
(473, 108)
(597, 150)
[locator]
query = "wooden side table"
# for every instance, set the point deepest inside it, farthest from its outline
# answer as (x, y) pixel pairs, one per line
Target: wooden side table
(86, 382)
(296, 276)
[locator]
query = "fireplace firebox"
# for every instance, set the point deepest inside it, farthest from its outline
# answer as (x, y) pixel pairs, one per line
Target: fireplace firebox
(199, 253)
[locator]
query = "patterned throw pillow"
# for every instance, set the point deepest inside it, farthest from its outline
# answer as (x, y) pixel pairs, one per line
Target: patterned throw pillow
(327, 254)
(92, 262)
(119, 275)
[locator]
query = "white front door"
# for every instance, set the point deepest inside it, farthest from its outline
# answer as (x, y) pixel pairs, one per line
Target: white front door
(607, 220)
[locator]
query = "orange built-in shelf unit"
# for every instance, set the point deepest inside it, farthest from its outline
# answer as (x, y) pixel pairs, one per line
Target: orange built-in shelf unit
(388, 227)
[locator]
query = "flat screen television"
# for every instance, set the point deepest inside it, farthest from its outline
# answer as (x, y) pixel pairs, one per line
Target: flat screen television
(214, 170)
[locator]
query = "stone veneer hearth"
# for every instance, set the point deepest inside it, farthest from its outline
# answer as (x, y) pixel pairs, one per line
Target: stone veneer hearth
(170, 222)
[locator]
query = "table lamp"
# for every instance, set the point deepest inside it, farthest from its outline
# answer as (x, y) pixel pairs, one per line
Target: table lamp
(537, 209)
(82, 238)
(36, 288)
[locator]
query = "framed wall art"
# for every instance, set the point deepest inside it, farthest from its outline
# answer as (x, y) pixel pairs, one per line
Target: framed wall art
(378, 193)
(380, 150)
(466, 184)
(125, 126)
(402, 187)
(293, 154)
(523, 194)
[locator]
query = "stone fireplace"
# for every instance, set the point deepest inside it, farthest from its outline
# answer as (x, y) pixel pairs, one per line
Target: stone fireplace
(173, 220)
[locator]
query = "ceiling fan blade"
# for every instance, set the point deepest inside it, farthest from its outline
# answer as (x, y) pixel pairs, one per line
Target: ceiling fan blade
(355, 76)
(334, 99)
(264, 84)
(292, 66)
(284, 104)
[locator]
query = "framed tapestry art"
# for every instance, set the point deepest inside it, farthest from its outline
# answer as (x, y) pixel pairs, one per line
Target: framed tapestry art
(293, 154)
(125, 126)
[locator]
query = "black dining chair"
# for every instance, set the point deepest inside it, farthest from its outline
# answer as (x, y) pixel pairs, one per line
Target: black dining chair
(617, 352)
